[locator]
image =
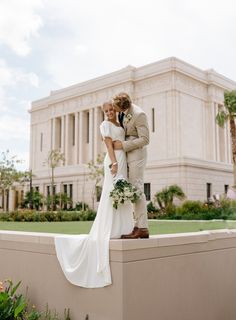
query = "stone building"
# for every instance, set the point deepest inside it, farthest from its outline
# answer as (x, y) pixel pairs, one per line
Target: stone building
(186, 147)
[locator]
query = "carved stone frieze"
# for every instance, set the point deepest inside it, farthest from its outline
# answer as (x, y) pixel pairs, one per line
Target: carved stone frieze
(155, 84)
(191, 86)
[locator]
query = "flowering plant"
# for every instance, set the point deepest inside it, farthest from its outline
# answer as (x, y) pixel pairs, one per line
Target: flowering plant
(123, 191)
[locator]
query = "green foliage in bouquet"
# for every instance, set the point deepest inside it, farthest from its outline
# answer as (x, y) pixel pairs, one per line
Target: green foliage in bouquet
(124, 191)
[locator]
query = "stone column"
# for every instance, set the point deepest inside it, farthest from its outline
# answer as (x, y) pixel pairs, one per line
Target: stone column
(76, 146)
(67, 145)
(12, 194)
(96, 128)
(215, 134)
(218, 158)
(81, 126)
(53, 133)
(63, 134)
(228, 143)
(91, 134)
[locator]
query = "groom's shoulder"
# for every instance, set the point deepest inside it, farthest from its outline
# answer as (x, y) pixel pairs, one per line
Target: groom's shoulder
(137, 109)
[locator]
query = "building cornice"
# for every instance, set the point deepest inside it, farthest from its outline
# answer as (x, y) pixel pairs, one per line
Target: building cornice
(190, 162)
(132, 74)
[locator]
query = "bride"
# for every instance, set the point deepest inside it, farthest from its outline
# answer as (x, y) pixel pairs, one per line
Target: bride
(84, 259)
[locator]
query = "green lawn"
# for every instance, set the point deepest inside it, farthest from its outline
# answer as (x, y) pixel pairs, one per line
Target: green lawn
(156, 227)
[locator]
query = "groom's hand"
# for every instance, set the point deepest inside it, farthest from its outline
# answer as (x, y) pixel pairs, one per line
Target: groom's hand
(117, 145)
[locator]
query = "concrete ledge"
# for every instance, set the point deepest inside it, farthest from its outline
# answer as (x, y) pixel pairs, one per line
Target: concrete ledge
(188, 276)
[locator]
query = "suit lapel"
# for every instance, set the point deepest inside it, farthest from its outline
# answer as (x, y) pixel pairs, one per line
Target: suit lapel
(125, 125)
(120, 118)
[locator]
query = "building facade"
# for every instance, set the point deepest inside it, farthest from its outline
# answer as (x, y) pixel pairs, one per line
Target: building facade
(186, 147)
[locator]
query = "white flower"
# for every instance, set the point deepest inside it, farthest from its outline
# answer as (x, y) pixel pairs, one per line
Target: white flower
(127, 118)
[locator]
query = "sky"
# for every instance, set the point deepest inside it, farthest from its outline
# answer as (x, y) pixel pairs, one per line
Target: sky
(47, 45)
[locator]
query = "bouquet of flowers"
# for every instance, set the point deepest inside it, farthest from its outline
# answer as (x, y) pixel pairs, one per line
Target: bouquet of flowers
(123, 191)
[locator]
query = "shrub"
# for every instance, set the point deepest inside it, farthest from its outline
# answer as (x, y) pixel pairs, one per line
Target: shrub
(48, 216)
(189, 206)
(81, 206)
(13, 305)
(151, 207)
(16, 306)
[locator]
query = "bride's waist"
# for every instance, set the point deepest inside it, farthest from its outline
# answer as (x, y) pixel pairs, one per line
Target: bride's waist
(118, 153)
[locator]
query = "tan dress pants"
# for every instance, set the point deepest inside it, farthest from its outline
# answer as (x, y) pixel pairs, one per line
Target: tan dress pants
(136, 177)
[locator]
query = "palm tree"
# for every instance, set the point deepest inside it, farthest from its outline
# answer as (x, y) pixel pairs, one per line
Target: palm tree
(166, 196)
(228, 113)
(54, 159)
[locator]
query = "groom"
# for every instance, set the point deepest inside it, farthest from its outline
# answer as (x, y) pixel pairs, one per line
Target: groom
(134, 121)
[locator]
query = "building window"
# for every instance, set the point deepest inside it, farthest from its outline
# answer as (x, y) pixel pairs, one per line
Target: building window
(147, 191)
(71, 195)
(226, 187)
(16, 199)
(65, 188)
(48, 191)
(153, 120)
(208, 190)
(87, 127)
(37, 189)
(71, 191)
(41, 141)
(22, 195)
(98, 193)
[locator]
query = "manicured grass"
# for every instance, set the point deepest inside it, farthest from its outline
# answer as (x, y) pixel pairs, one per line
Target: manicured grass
(156, 227)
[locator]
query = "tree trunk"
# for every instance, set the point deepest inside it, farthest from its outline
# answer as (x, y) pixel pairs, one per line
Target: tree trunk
(233, 143)
(52, 195)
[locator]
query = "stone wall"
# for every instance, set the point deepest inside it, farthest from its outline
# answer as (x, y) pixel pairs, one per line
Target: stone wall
(178, 276)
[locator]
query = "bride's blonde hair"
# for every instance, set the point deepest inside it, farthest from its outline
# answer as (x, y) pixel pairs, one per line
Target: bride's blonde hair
(107, 103)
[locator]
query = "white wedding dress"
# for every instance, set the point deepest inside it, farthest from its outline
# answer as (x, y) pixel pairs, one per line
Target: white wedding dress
(84, 259)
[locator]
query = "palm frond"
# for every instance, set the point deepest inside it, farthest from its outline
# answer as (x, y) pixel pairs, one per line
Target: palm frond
(221, 118)
(230, 101)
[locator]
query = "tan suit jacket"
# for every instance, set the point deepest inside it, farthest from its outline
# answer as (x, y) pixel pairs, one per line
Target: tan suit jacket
(136, 133)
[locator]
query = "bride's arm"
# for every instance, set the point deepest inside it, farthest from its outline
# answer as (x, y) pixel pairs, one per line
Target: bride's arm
(111, 153)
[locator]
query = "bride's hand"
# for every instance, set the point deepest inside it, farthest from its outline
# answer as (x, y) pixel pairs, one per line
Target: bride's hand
(114, 169)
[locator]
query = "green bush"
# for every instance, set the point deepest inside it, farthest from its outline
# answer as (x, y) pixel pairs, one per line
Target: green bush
(197, 210)
(81, 206)
(13, 305)
(193, 207)
(16, 306)
(49, 216)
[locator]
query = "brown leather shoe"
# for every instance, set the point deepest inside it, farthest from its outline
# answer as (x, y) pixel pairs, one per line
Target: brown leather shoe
(135, 229)
(140, 233)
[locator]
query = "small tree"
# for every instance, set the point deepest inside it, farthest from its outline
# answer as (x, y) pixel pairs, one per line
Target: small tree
(54, 159)
(33, 199)
(228, 114)
(8, 172)
(96, 173)
(166, 196)
(28, 177)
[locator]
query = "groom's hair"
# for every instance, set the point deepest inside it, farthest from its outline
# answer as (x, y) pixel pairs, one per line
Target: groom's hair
(122, 101)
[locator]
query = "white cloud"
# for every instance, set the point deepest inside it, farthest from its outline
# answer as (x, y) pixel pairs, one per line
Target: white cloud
(18, 23)
(72, 41)
(15, 76)
(100, 37)
(12, 128)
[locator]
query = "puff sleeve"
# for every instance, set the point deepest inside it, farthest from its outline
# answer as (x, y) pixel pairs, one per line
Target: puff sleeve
(105, 129)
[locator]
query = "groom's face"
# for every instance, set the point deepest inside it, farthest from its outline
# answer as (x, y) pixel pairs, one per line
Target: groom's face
(117, 108)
